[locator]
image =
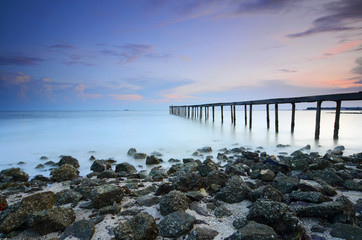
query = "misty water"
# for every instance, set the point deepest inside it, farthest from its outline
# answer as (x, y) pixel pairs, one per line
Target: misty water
(26, 136)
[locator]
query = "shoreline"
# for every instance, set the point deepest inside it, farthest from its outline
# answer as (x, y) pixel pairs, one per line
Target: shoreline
(216, 198)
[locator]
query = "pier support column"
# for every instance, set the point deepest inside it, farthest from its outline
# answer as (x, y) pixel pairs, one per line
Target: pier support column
(250, 116)
(336, 121)
(276, 119)
(234, 115)
(267, 117)
(318, 120)
(222, 114)
(293, 118)
(213, 113)
(231, 112)
(200, 113)
(246, 115)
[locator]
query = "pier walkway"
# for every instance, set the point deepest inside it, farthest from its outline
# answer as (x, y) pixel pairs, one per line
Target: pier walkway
(196, 111)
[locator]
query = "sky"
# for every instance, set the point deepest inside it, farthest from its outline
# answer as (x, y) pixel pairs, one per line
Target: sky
(149, 54)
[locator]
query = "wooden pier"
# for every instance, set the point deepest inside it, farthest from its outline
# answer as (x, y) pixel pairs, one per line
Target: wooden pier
(196, 111)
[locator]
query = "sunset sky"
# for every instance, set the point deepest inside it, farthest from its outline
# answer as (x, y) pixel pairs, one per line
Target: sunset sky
(149, 54)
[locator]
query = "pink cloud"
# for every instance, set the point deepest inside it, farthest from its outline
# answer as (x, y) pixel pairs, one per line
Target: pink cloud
(80, 88)
(341, 49)
(126, 97)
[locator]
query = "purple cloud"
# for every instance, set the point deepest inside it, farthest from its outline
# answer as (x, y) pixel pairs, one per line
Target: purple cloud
(62, 45)
(20, 60)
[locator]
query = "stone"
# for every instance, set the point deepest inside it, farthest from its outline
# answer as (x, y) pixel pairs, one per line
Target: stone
(16, 215)
(139, 155)
(217, 177)
(84, 186)
(67, 196)
(206, 168)
(352, 185)
(153, 160)
(222, 211)
(328, 189)
(51, 220)
(105, 195)
(100, 166)
(202, 234)
(358, 206)
(107, 174)
(266, 192)
(176, 224)
(140, 227)
(3, 203)
(158, 173)
(277, 215)
(195, 195)
(198, 209)
(131, 152)
(148, 200)
(15, 174)
(346, 231)
(82, 230)
(328, 175)
(112, 209)
(322, 210)
(64, 173)
(126, 167)
(68, 160)
(236, 190)
(39, 166)
(173, 201)
(267, 175)
(205, 150)
(285, 184)
(92, 158)
(257, 231)
(310, 196)
(348, 214)
(240, 223)
(187, 181)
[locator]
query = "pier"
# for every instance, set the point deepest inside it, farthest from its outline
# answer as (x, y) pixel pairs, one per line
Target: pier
(196, 111)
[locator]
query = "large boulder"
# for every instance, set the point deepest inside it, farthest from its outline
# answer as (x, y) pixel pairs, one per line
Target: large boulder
(328, 175)
(68, 160)
(140, 227)
(82, 230)
(285, 184)
(173, 201)
(16, 215)
(236, 190)
(15, 174)
(153, 160)
(217, 177)
(105, 195)
(51, 220)
(346, 231)
(187, 181)
(126, 167)
(278, 216)
(100, 166)
(64, 173)
(67, 196)
(176, 224)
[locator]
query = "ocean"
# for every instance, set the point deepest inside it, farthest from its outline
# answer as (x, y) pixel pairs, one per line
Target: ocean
(27, 136)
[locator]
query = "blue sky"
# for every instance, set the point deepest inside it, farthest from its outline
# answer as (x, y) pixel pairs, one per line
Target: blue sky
(116, 54)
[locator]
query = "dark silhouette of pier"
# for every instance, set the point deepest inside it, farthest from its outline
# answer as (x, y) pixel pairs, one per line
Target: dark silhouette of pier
(196, 111)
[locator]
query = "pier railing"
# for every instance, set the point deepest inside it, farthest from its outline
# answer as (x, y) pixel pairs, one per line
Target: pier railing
(196, 111)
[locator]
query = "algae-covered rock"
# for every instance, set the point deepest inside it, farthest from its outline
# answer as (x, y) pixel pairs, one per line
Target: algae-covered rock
(105, 195)
(176, 224)
(173, 201)
(64, 173)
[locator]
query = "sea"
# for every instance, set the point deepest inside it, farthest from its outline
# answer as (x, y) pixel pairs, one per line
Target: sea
(27, 136)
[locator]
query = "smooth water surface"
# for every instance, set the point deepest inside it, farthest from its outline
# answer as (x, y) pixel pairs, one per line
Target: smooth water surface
(26, 136)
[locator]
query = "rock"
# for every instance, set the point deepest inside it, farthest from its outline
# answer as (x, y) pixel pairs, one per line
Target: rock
(328, 175)
(100, 166)
(222, 211)
(105, 195)
(64, 173)
(299, 164)
(282, 145)
(352, 185)
(217, 177)
(147, 200)
(358, 206)
(322, 210)
(145, 191)
(348, 214)
(195, 195)
(267, 175)
(202, 234)
(39, 166)
(82, 230)
(139, 156)
(187, 181)
(68, 160)
(140, 227)
(126, 167)
(278, 216)
(275, 166)
(222, 157)
(43, 158)
(240, 223)
(328, 189)
(236, 190)
(172, 160)
(285, 184)
(16, 215)
(92, 158)
(153, 160)
(3, 203)
(107, 174)
(112, 209)
(172, 202)
(205, 149)
(84, 186)
(310, 196)
(346, 231)
(198, 209)
(318, 228)
(176, 224)
(333, 158)
(51, 220)
(266, 192)
(131, 152)
(15, 174)
(257, 231)
(196, 154)
(158, 173)
(67, 196)
(206, 167)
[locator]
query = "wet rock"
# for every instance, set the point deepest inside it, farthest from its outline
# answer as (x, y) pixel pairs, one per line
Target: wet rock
(68, 160)
(15, 175)
(41, 178)
(205, 150)
(16, 215)
(3, 203)
(311, 196)
(267, 175)
(236, 170)
(328, 189)
(176, 224)
(206, 167)
(358, 206)
(240, 223)
(282, 145)
(139, 155)
(43, 158)
(145, 191)
(131, 152)
(92, 158)
(257, 231)
(266, 192)
(105, 195)
(275, 166)
(236, 190)
(82, 230)
(348, 214)
(327, 175)
(222, 211)
(346, 231)
(333, 158)
(173, 160)
(67, 196)
(113, 209)
(217, 177)
(84, 186)
(107, 174)
(301, 164)
(278, 216)
(202, 234)
(51, 220)
(323, 210)
(352, 185)
(64, 173)
(147, 200)
(222, 157)
(153, 160)
(39, 166)
(198, 209)
(163, 189)
(187, 181)
(126, 167)
(285, 184)
(100, 166)
(158, 173)
(173, 201)
(195, 195)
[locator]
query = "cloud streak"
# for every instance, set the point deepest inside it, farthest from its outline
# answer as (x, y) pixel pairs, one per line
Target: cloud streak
(20, 60)
(126, 97)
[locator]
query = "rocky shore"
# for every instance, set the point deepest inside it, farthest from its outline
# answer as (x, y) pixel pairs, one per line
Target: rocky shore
(238, 195)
